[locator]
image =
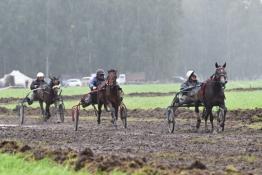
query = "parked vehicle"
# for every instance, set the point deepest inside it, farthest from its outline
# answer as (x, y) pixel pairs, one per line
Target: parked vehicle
(85, 81)
(121, 79)
(73, 82)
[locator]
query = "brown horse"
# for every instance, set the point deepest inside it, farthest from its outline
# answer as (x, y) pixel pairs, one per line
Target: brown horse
(212, 94)
(47, 94)
(109, 94)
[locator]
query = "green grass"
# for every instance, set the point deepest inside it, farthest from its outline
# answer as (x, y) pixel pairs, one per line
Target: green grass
(244, 100)
(20, 93)
(16, 165)
(244, 84)
(234, 100)
(150, 88)
(130, 88)
(17, 93)
(13, 165)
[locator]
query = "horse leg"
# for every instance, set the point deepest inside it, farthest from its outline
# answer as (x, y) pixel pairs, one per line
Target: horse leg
(222, 122)
(116, 111)
(208, 113)
(113, 114)
(211, 121)
(42, 108)
(99, 113)
(198, 117)
(113, 111)
(48, 115)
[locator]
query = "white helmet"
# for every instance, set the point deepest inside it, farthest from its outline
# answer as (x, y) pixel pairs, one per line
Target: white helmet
(40, 74)
(189, 73)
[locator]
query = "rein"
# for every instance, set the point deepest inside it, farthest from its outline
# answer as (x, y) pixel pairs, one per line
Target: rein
(93, 91)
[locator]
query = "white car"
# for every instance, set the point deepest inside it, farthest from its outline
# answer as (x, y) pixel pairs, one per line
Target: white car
(85, 81)
(121, 79)
(73, 82)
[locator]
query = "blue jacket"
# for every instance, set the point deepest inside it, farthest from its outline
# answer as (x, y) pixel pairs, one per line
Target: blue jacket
(188, 85)
(94, 82)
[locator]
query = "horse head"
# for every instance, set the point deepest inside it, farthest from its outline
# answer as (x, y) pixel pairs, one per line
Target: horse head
(221, 74)
(111, 78)
(54, 84)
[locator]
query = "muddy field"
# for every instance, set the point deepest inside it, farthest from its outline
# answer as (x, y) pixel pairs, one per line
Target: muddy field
(239, 148)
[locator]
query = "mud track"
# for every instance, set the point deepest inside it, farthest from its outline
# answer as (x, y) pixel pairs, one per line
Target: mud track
(238, 149)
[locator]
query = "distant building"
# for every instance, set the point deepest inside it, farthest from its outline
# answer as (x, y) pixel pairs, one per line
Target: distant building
(137, 77)
(16, 78)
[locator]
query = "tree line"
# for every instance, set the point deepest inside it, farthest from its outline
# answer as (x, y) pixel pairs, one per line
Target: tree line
(160, 38)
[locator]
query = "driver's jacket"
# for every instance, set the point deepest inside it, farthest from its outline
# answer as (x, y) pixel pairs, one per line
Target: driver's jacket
(189, 86)
(95, 82)
(37, 83)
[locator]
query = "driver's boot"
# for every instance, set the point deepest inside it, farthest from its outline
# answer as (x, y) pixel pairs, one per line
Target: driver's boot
(29, 100)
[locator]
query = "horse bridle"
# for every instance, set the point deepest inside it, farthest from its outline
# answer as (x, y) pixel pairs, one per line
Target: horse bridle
(220, 72)
(111, 81)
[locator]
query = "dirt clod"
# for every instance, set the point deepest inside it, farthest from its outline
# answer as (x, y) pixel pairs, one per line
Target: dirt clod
(197, 165)
(39, 154)
(25, 148)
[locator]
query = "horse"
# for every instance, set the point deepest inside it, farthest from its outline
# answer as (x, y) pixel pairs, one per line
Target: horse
(109, 94)
(212, 94)
(47, 93)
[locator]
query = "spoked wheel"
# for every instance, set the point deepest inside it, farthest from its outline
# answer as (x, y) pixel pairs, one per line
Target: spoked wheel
(123, 114)
(61, 112)
(75, 118)
(170, 117)
(21, 113)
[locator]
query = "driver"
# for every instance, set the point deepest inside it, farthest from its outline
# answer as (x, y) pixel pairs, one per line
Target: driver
(40, 80)
(93, 85)
(189, 87)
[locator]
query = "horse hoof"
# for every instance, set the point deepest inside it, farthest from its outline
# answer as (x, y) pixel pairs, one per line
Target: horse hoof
(214, 132)
(195, 130)
(46, 118)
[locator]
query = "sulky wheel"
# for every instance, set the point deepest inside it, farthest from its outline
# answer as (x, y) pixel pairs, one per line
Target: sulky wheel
(76, 118)
(170, 119)
(21, 113)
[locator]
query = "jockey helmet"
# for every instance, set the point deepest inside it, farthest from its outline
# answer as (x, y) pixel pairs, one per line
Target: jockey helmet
(40, 75)
(100, 74)
(189, 74)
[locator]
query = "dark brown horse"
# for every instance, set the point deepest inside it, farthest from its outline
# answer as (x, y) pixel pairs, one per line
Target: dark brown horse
(109, 94)
(47, 94)
(212, 94)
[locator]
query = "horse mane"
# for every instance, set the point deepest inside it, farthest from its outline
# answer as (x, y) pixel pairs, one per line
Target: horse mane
(112, 71)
